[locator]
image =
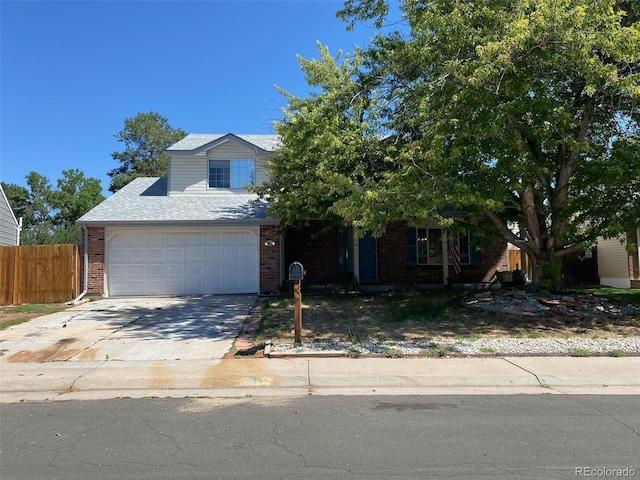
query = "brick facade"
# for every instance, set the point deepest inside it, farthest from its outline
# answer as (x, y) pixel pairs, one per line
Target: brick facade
(96, 261)
(269, 259)
(320, 255)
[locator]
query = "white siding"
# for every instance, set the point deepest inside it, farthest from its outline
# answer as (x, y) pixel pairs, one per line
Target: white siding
(231, 151)
(613, 263)
(9, 230)
(188, 175)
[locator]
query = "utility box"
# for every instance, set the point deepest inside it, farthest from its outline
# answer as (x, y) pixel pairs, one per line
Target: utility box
(296, 271)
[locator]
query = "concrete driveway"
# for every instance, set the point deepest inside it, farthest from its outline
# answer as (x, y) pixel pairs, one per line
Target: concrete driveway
(129, 329)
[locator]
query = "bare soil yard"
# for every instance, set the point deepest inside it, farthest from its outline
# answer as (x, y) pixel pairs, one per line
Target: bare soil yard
(410, 315)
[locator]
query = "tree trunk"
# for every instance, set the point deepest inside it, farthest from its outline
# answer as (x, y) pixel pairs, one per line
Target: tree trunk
(546, 273)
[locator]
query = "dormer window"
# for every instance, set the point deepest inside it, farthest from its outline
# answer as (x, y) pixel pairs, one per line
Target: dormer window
(231, 173)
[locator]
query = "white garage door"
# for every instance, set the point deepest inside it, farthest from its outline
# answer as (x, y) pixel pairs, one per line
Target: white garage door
(182, 262)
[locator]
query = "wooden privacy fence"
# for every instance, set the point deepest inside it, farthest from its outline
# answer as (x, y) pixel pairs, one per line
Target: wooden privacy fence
(39, 274)
(575, 272)
(515, 261)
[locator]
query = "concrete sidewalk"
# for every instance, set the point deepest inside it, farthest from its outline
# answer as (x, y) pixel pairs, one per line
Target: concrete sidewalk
(318, 376)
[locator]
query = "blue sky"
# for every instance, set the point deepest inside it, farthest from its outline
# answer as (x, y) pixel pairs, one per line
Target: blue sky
(71, 72)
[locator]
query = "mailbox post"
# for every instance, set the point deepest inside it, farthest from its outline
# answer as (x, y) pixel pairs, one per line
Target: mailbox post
(296, 275)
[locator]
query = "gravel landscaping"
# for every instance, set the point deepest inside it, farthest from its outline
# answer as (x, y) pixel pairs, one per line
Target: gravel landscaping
(486, 323)
(483, 346)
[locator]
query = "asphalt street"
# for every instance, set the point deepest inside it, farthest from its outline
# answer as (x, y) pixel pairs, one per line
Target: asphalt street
(345, 437)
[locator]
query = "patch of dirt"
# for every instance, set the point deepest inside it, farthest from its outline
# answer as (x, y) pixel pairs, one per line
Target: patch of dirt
(419, 315)
(10, 313)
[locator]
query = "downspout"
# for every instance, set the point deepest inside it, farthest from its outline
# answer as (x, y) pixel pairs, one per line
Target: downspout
(86, 267)
(18, 231)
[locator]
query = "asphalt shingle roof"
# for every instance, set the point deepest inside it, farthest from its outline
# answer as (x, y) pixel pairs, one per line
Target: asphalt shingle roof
(145, 201)
(194, 141)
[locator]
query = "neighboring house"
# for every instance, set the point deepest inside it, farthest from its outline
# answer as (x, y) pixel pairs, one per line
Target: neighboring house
(618, 267)
(200, 231)
(9, 226)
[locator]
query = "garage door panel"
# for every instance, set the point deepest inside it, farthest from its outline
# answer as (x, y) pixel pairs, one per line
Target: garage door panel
(156, 271)
(194, 254)
(137, 255)
(175, 270)
(174, 239)
(155, 254)
(156, 239)
(175, 254)
(186, 262)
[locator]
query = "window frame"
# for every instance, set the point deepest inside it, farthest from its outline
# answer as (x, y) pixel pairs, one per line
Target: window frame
(232, 185)
(424, 240)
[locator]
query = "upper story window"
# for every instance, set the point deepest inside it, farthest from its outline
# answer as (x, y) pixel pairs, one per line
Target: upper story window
(429, 246)
(231, 173)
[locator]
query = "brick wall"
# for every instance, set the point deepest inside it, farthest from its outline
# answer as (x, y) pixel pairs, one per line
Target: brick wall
(393, 267)
(96, 261)
(269, 260)
(320, 256)
(317, 252)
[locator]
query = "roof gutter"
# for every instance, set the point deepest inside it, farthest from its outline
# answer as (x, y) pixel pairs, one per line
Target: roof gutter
(180, 223)
(86, 267)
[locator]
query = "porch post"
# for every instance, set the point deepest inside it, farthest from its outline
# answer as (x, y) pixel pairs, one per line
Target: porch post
(356, 253)
(445, 257)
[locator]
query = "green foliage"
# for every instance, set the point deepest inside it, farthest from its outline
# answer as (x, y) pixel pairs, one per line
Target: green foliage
(630, 296)
(581, 352)
(146, 137)
(49, 214)
(521, 111)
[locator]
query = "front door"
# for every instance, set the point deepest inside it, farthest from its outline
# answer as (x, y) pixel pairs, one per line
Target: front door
(368, 258)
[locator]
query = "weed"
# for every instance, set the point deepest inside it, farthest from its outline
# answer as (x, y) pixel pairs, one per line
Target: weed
(43, 308)
(617, 352)
(488, 350)
(469, 338)
(392, 353)
(535, 334)
(581, 352)
(15, 321)
(441, 351)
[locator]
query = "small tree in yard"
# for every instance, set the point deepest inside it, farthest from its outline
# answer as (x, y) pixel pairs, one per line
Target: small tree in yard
(521, 111)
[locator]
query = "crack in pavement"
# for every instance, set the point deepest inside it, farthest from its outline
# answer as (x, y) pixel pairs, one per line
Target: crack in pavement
(543, 385)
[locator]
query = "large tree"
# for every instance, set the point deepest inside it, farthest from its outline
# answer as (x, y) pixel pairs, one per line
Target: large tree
(146, 137)
(521, 112)
(49, 214)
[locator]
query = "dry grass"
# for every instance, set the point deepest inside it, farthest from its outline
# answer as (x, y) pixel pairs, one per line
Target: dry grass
(409, 315)
(16, 314)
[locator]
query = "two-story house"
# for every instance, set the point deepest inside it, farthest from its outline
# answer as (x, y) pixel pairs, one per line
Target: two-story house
(197, 231)
(200, 231)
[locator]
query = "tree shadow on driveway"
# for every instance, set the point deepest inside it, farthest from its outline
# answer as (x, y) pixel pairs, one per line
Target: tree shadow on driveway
(206, 317)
